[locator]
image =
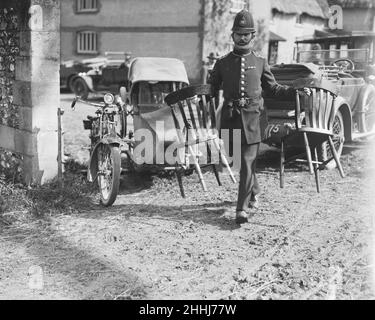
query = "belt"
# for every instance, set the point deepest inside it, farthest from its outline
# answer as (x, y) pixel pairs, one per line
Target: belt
(236, 104)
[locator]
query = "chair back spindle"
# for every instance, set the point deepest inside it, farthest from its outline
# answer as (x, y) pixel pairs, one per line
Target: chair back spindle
(318, 108)
(197, 108)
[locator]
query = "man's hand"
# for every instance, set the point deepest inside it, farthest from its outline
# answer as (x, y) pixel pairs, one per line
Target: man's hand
(307, 91)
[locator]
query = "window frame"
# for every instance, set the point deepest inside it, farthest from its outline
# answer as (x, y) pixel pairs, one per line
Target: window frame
(95, 49)
(299, 19)
(79, 10)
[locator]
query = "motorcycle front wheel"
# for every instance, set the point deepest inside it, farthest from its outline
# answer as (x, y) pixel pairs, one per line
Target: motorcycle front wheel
(109, 170)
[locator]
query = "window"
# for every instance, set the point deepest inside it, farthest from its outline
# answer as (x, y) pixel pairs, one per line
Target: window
(332, 51)
(299, 19)
(154, 93)
(272, 52)
(273, 16)
(343, 50)
(87, 5)
(237, 5)
(87, 42)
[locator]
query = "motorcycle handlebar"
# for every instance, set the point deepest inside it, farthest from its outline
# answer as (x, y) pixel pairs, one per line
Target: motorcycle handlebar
(100, 105)
(104, 106)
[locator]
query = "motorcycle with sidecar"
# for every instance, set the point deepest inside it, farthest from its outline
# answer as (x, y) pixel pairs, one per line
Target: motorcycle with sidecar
(134, 130)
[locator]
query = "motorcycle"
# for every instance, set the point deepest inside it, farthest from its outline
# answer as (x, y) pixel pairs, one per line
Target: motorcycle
(107, 135)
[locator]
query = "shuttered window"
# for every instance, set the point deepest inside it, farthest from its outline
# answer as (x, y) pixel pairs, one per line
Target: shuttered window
(87, 5)
(87, 42)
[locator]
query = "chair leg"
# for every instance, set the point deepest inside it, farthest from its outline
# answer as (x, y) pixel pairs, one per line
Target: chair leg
(316, 171)
(198, 168)
(282, 161)
(336, 157)
(308, 153)
(224, 159)
(216, 174)
(179, 179)
(209, 159)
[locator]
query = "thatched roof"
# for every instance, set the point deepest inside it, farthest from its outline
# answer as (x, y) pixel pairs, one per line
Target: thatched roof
(310, 7)
(353, 3)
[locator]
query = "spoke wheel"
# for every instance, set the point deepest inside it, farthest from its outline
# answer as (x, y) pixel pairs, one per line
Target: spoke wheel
(367, 118)
(338, 141)
(109, 170)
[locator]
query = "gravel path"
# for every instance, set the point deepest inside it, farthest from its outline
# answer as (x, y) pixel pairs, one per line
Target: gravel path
(154, 244)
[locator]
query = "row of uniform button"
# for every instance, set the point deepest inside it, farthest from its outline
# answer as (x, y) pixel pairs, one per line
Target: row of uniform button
(242, 77)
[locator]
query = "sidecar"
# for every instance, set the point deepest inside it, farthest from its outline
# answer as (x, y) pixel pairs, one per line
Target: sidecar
(152, 126)
(161, 125)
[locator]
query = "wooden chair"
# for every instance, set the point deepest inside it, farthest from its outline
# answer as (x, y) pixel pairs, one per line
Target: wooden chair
(314, 117)
(196, 106)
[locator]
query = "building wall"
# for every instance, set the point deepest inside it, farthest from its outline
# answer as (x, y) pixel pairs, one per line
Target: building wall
(138, 13)
(158, 28)
(358, 19)
(285, 26)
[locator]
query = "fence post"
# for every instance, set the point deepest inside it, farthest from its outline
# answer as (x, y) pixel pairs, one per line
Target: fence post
(60, 112)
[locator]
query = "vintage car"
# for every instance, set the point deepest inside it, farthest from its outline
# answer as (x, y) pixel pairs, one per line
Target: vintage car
(105, 74)
(355, 105)
(69, 71)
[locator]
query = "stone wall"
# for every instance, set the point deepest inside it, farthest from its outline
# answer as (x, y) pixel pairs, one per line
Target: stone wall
(10, 162)
(29, 88)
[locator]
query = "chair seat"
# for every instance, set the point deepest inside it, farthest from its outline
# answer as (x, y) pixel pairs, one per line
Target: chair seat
(315, 130)
(317, 108)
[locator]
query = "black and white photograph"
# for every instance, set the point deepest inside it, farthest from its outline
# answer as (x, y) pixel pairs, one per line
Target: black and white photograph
(204, 152)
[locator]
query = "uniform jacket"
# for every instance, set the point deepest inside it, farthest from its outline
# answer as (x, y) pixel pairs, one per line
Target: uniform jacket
(246, 76)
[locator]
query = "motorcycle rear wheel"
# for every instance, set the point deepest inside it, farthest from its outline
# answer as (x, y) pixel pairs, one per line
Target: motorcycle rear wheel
(109, 168)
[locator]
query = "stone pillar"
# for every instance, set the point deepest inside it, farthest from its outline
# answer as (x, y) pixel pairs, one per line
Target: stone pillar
(36, 87)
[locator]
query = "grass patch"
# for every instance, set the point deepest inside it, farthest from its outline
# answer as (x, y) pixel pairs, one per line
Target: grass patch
(72, 195)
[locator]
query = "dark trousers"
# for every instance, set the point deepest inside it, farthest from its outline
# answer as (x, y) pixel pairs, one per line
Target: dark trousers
(248, 186)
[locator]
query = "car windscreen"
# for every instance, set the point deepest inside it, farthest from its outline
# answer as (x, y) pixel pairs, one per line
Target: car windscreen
(359, 57)
(154, 92)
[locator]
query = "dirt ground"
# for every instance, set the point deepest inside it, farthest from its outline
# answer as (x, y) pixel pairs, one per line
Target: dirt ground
(153, 244)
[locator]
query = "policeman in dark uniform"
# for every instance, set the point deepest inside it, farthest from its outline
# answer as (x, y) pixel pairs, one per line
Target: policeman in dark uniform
(243, 75)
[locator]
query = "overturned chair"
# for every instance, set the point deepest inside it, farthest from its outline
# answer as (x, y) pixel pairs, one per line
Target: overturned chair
(314, 117)
(196, 106)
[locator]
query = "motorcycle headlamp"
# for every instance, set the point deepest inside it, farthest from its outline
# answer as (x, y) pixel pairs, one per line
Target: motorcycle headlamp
(109, 98)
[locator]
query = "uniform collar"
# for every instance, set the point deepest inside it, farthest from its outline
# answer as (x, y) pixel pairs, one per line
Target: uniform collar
(241, 53)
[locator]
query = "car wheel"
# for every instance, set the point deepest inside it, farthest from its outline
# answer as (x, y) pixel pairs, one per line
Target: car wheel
(324, 152)
(367, 116)
(80, 88)
(70, 83)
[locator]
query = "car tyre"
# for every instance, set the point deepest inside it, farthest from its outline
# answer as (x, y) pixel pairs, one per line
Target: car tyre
(80, 88)
(324, 151)
(367, 115)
